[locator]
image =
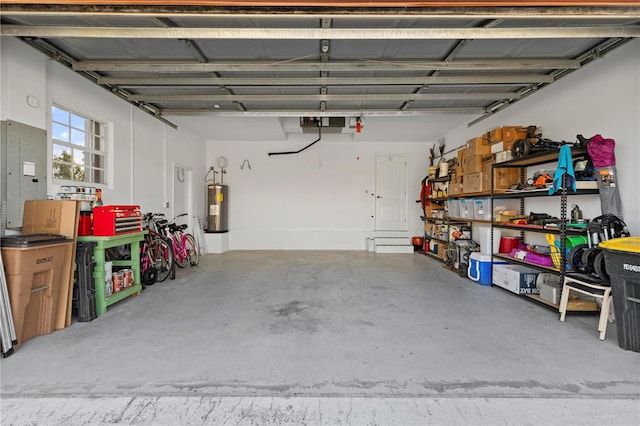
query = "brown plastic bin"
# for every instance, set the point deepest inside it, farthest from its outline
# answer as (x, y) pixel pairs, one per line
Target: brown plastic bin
(35, 265)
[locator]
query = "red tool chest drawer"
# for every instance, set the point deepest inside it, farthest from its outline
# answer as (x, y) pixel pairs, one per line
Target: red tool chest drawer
(114, 220)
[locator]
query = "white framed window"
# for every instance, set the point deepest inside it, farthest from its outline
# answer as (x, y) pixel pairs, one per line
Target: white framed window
(79, 147)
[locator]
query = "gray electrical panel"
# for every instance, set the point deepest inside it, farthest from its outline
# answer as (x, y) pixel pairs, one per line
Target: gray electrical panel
(23, 162)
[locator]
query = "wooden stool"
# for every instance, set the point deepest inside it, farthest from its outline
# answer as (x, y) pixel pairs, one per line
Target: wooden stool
(586, 285)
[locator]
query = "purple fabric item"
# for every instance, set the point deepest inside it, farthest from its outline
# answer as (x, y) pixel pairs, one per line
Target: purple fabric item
(539, 259)
(531, 257)
(601, 151)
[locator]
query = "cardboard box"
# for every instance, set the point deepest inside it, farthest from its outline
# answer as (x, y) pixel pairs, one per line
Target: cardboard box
(516, 278)
(472, 164)
(477, 146)
(586, 184)
(472, 183)
(56, 217)
(455, 189)
(501, 146)
(428, 229)
(430, 208)
(495, 135)
(502, 178)
(442, 250)
(51, 217)
(462, 152)
(511, 134)
(503, 156)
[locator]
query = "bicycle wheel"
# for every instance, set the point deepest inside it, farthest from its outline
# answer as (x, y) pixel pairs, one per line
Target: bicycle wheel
(181, 255)
(162, 259)
(192, 250)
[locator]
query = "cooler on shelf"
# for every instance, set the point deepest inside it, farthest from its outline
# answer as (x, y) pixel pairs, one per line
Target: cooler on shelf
(479, 269)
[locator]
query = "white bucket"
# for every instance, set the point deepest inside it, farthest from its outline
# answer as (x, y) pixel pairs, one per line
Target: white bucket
(371, 244)
(485, 240)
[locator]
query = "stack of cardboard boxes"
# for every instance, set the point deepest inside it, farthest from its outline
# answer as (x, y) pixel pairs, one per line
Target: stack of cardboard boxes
(475, 160)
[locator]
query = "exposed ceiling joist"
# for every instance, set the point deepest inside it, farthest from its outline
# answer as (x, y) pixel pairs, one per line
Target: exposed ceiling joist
(329, 81)
(320, 33)
(368, 112)
(342, 66)
(522, 10)
(150, 97)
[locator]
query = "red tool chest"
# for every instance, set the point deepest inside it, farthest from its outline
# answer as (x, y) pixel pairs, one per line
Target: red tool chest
(114, 220)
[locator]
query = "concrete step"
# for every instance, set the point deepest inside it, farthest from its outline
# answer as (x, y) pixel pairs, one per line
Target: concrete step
(392, 241)
(394, 249)
(393, 245)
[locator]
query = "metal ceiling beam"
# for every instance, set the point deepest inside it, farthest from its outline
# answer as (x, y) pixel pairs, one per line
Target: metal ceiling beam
(606, 10)
(318, 113)
(322, 97)
(342, 66)
(45, 31)
(329, 81)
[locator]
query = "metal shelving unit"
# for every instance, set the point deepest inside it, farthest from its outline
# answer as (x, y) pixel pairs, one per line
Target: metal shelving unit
(439, 221)
(563, 231)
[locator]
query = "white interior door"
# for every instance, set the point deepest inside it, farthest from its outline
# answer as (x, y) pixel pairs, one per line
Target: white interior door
(391, 193)
(182, 189)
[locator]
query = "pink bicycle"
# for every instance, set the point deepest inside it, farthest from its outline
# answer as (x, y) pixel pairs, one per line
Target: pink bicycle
(185, 248)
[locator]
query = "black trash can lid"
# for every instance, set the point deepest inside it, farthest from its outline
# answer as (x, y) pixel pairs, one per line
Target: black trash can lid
(31, 240)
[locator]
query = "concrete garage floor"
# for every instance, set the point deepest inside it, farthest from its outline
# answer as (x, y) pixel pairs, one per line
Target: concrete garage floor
(323, 337)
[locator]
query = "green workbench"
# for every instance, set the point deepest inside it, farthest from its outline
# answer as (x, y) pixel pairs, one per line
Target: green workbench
(103, 243)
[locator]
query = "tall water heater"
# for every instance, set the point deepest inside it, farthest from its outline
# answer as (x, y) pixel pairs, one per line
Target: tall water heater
(217, 208)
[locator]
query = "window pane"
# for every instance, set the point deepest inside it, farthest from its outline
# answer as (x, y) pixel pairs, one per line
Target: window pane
(60, 115)
(78, 137)
(79, 122)
(78, 173)
(59, 151)
(98, 175)
(61, 170)
(97, 160)
(60, 132)
(78, 156)
(97, 143)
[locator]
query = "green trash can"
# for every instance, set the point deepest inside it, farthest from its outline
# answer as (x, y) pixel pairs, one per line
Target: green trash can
(622, 260)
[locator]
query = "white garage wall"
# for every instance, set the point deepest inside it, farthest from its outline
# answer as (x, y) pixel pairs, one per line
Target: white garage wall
(603, 98)
(321, 198)
(144, 148)
(22, 74)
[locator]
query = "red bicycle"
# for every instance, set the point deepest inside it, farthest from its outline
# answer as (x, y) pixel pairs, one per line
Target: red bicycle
(156, 254)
